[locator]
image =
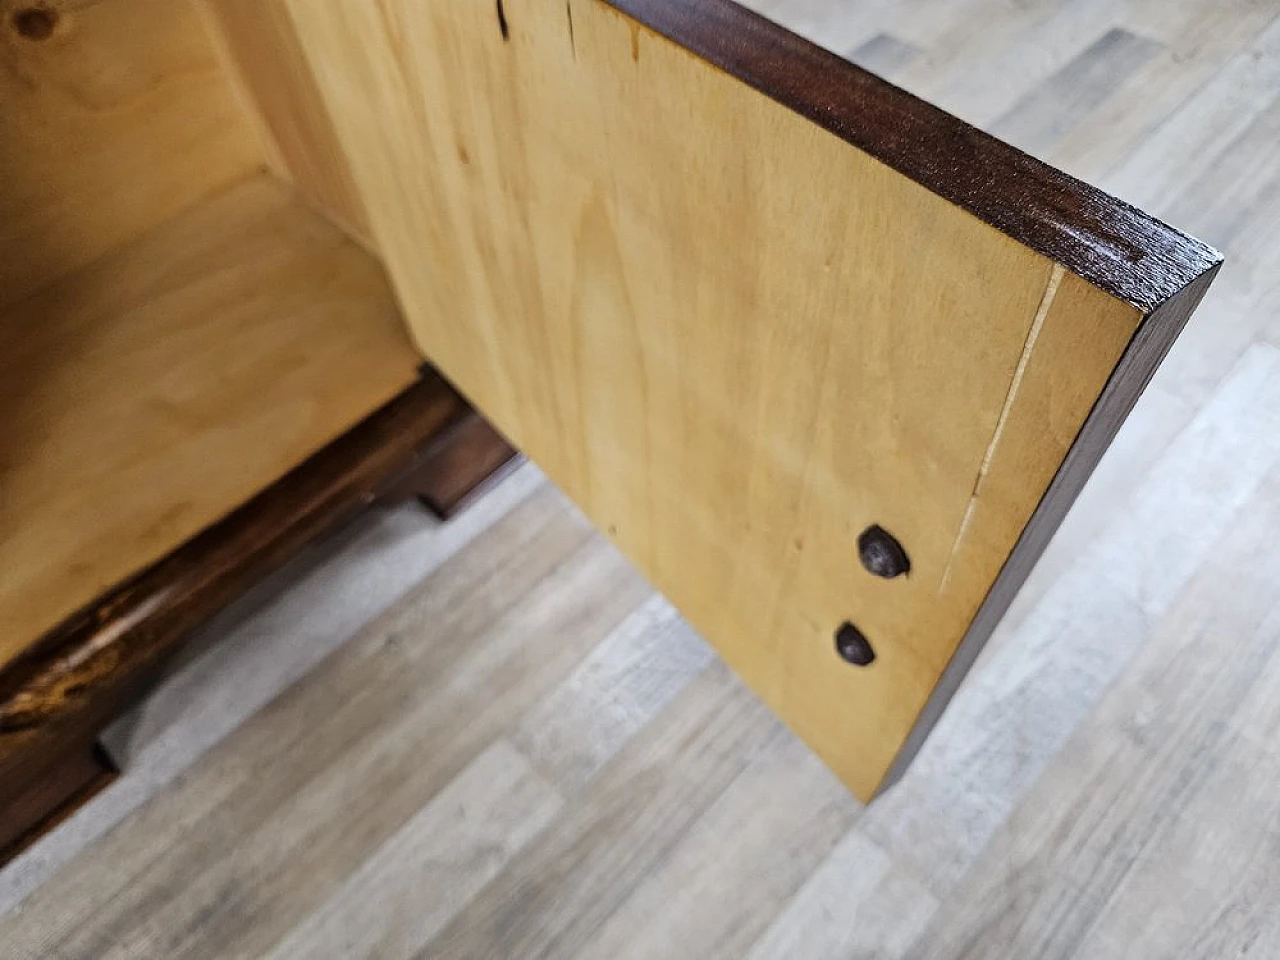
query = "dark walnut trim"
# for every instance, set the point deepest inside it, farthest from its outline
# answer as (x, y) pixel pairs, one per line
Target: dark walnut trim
(57, 696)
(456, 467)
(1114, 246)
(44, 801)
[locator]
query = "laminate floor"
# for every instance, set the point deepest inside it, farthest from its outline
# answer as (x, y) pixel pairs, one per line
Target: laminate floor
(489, 739)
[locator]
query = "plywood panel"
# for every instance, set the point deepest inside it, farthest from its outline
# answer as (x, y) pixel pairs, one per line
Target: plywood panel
(262, 54)
(153, 392)
(730, 335)
(114, 116)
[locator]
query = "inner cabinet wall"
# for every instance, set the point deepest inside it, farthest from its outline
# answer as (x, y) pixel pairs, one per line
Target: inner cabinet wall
(177, 329)
(267, 64)
(117, 117)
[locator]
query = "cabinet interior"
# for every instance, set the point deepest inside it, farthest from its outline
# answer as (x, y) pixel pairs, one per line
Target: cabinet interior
(179, 324)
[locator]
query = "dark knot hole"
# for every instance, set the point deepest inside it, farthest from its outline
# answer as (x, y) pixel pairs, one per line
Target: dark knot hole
(35, 23)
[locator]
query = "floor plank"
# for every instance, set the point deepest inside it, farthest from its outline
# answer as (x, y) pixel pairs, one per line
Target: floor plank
(1056, 106)
(288, 862)
(858, 902)
(424, 872)
(1198, 39)
(1158, 824)
(626, 681)
(1013, 717)
(553, 899)
(783, 800)
(885, 55)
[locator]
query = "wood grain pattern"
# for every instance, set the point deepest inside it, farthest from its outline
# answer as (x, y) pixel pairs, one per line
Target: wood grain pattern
(856, 903)
(1113, 750)
(737, 369)
(262, 54)
(706, 740)
(777, 801)
(389, 777)
(150, 394)
(438, 865)
(110, 125)
(1054, 108)
(1099, 607)
(1095, 876)
(884, 55)
(521, 550)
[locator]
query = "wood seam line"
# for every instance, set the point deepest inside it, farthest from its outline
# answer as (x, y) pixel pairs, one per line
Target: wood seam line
(1019, 372)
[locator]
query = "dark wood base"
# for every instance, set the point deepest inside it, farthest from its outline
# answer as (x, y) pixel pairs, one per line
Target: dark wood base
(44, 801)
(457, 466)
(57, 697)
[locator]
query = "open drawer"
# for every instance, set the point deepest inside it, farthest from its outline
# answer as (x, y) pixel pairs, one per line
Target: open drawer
(827, 364)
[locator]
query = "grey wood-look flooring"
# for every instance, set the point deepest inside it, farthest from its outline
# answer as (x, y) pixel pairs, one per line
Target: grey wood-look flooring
(489, 739)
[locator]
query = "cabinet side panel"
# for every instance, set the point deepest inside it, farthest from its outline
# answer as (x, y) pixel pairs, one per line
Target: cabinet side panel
(735, 339)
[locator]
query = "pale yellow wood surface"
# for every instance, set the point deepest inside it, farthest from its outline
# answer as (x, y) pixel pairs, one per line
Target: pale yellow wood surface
(733, 339)
(146, 396)
(110, 125)
(263, 57)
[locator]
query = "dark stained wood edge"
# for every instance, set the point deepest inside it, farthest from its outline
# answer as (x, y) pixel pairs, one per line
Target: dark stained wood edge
(470, 460)
(88, 670)
(1113, 245)
(62, 788)
(457, 466)
(1146, 350)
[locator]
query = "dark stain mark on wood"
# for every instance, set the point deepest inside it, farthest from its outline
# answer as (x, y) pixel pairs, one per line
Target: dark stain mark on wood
(502, 21)
(35, 23)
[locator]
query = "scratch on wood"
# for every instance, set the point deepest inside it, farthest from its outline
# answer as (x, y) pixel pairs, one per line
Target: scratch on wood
(568, 9)
(503, 28)
(1020, 371)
